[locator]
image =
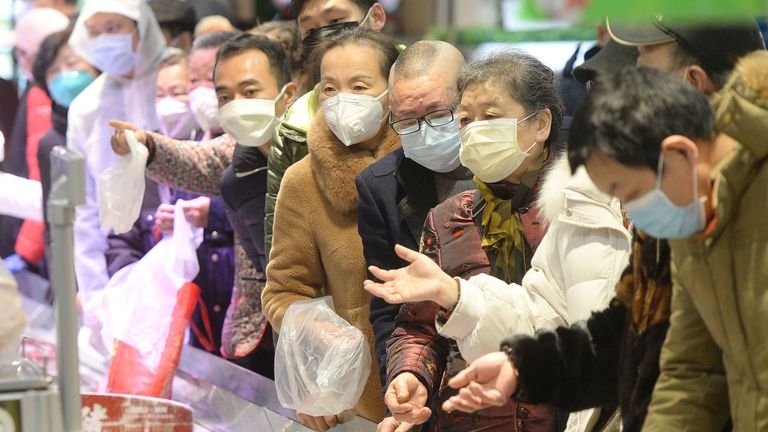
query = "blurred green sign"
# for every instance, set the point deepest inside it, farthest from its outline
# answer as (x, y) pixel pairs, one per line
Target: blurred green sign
(596, 10)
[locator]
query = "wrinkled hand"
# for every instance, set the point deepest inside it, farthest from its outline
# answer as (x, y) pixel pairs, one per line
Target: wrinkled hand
(320, 424)
(164, 218)
(196, 211)
(389, 424)
(119, 141)
(488, 381)
(406, 398)
(421, 280)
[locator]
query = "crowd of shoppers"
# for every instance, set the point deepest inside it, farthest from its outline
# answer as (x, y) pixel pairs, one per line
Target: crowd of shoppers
(512, 264)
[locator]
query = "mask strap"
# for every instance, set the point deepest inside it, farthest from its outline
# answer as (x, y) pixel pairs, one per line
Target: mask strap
(659, 170)
(527, 117)
(281, 94)
(384, 93)
(367, 15)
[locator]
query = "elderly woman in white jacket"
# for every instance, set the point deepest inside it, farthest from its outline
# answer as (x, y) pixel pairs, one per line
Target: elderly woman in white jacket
(123, 39)
(573, 273)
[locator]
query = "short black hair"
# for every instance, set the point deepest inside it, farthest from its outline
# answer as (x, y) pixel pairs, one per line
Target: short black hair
(279, 62)
(212, 40)
(298, 5)
(176, 16)
(628, 113)
(46, 55)
(525, 78)
(383, 44)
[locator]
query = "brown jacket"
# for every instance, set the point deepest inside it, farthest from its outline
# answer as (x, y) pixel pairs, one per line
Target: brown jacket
(316, 249)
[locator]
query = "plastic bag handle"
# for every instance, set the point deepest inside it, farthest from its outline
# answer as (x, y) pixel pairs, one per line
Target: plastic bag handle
(206, 340)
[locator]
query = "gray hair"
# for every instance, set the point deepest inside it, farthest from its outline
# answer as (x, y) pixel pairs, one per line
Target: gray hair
(526, 79)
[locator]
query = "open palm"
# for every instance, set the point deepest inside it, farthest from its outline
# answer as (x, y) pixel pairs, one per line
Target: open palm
(421, 280)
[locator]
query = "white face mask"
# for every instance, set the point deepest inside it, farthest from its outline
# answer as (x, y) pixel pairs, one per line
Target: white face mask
(435, 148)
(251, 122)
(354, 118)
(175, 118)
(113, 53)
(490, 150)
(205, 107)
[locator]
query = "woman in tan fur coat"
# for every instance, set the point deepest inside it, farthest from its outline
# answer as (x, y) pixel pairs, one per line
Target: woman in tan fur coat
(316, 249)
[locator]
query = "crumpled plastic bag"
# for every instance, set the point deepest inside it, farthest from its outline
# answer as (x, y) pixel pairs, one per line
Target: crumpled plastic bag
(121, 188)
(146, 310)
(321, 361)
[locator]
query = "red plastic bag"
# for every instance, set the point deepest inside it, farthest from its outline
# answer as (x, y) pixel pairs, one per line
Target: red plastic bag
(148, 311)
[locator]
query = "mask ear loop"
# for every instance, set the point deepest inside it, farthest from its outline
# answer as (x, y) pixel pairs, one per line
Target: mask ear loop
(367, 15)
(659, 170)
(280, 96)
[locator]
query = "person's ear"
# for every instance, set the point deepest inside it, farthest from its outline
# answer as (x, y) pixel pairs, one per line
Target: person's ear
(699, 78)
(378, 17)
(289, 97)
(543, 125)
(683, 145)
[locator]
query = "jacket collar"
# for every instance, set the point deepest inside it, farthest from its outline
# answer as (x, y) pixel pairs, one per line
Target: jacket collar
(335, 165)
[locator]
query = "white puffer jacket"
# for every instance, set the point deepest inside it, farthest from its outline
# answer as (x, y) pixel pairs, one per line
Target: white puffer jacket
(573, 273)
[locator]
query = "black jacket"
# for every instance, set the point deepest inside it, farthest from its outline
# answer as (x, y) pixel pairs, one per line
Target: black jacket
(396, 195)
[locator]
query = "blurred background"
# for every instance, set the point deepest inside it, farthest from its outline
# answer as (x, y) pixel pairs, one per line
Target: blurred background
(558, 32)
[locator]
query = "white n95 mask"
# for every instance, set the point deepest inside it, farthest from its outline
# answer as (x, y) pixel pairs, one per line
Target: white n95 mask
(205, 107)
(175, 118)
(354, 118)
(251, 122)
(490, 150)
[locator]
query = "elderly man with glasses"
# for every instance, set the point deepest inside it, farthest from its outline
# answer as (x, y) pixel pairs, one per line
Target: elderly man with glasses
(397, 192)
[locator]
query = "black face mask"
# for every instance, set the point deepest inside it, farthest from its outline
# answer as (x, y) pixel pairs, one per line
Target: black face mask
(321, 34)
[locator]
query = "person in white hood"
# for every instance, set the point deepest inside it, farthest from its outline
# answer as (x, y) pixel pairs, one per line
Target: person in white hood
(121, 38)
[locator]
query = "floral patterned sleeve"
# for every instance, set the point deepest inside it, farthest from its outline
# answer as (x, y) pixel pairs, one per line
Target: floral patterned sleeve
(194, 166)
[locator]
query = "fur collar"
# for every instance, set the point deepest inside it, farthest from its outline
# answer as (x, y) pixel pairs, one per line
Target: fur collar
(335, 165)
(550, 198)
(558, 182)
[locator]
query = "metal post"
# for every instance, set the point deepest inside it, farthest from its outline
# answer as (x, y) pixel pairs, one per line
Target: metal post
(67, 192)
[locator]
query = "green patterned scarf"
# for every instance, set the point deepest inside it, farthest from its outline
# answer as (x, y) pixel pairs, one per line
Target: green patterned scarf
(503, 232)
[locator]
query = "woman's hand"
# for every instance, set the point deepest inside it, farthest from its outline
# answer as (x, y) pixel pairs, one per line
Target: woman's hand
(119, 141)
(196, 211)
(406, 398)
(421, 280)
(488, 381)
(164, 218)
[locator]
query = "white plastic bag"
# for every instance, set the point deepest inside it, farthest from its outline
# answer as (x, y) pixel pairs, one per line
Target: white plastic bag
(138, 299)
(121, 188)
(321, 361)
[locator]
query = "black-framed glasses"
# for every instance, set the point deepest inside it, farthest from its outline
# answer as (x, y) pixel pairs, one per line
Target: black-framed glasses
(412, 125)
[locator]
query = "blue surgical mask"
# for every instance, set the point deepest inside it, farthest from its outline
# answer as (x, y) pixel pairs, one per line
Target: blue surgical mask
(435, 148)
(66, 85)
(113, 53)
(655, 214)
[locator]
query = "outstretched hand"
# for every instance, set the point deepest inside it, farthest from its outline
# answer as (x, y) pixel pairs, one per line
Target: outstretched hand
(421, 280)
(488, 381)
(119, 141)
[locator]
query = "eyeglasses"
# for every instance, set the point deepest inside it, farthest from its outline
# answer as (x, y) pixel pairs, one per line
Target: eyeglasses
(412, 125)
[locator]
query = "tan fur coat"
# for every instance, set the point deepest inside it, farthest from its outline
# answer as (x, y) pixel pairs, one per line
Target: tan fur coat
(316, 248)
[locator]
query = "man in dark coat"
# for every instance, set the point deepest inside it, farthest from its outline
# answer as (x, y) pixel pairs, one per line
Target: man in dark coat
(397, 192)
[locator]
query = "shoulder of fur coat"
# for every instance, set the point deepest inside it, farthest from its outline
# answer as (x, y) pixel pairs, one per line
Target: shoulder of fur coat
(558, 180)
(550, 199)
(335, 165)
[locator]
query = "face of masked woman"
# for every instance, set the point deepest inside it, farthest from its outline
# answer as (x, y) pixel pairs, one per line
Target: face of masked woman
(172, 102)
(113, 41)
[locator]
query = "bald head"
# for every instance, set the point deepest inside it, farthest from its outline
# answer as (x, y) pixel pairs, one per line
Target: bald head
(424, 78)
(425, 57)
